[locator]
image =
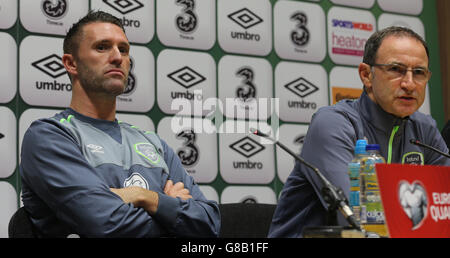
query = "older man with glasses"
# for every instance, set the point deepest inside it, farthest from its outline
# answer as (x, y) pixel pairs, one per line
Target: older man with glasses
(394, 73)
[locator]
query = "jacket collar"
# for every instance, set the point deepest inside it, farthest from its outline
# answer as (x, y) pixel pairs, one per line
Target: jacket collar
(376, 116)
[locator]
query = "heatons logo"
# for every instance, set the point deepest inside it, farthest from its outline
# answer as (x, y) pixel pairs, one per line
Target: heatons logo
(186, 22)
(124, 6)
(54, 9)
(345, 44)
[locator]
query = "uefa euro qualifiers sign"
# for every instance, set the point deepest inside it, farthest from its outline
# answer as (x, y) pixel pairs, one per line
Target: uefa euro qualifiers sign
(416, 199)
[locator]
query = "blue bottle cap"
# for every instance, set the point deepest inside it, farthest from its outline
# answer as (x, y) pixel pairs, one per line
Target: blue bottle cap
(372, 147)
(360, 147)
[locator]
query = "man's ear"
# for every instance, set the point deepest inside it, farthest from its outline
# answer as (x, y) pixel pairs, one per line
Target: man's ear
(365, 73)
(70, 64)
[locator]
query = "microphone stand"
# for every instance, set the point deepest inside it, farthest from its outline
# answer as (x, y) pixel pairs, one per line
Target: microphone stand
(417, 142)
(334, 196)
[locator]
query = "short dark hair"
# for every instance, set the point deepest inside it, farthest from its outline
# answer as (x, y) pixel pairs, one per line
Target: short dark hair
(375, 40)
(72, 39)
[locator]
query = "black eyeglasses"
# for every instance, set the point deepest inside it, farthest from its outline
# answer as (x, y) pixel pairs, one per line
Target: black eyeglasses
(395, 71)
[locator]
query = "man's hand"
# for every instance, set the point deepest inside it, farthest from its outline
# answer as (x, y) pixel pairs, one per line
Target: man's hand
(148, 199)
(176, 190)
(139, 197)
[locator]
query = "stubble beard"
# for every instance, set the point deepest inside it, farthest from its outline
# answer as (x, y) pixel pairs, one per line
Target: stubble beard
(99, 84)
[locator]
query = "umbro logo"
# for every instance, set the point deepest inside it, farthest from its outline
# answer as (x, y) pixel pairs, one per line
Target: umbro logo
(50, 65)
(247, 147)
(300, 139)
(245, 18)
(301, 87)
(124, 6)
(95, 148)
(186, 77)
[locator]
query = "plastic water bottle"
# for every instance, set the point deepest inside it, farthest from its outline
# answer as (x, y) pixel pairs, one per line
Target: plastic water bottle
(372, 213)
(353, 172)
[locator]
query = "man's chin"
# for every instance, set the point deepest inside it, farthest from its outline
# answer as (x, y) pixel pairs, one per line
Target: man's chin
(405, 112)
(115, 88)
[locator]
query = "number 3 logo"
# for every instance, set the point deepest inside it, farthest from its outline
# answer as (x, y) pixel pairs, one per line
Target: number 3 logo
(300, 36)
(187, 21)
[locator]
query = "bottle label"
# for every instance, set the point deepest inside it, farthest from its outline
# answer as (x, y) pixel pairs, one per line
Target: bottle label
(354, 198)
(374, 213)
(371, 206)
(353, 170)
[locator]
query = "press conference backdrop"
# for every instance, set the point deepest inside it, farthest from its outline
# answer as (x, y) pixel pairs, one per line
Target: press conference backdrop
(202, 73)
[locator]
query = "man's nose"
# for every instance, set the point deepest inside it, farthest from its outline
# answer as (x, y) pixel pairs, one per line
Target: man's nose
(116, 56)
(408, 81)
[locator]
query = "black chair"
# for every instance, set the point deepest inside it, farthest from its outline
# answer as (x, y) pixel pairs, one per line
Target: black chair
(238, 220)
(20, 225)
(245, 220)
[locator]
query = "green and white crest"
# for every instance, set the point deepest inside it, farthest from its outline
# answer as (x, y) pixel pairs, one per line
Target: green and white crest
(148, 151)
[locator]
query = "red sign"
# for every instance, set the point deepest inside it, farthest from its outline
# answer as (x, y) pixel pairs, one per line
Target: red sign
(416, 199)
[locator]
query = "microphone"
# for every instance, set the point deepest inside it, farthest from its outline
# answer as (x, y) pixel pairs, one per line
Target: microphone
(417, 142)
(334, 196)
